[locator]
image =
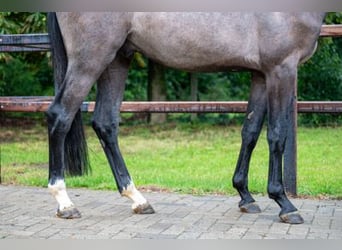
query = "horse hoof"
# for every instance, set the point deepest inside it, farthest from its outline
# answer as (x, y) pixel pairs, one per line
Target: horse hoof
(292, 218)
(251, 208)
(144, 209)
(68, 213)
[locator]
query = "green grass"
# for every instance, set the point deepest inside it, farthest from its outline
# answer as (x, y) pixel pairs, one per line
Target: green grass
(195, 159)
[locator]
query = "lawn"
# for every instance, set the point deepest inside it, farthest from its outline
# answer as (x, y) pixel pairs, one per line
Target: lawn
(179, 157)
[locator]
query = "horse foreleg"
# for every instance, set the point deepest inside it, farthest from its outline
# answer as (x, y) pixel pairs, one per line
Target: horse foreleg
(252, 126)
(110, 88)
(281, 82)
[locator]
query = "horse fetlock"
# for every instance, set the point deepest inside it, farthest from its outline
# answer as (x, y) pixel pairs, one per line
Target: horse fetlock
(140, 204)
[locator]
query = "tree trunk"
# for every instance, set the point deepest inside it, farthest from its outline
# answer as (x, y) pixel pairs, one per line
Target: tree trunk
(156, 89)
(194, 92)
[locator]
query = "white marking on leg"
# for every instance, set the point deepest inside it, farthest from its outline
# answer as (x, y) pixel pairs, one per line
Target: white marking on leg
(250, 115)
(58, 190)
(131, 192)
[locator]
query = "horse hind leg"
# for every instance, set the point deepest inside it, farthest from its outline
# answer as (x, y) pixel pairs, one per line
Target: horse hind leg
(66, 208)
(88, 54)
(60, 116)
(252, 126)
(110, 88)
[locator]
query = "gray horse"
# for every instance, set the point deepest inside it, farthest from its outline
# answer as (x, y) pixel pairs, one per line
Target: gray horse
(98, 47)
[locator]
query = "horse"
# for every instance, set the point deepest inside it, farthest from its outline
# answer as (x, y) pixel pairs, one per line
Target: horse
(98, 47)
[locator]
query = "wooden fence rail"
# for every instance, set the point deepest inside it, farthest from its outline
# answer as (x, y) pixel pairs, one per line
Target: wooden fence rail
(41, 104)
(41, 42)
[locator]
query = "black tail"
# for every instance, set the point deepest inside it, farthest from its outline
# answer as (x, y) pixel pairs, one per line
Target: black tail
(76, 150)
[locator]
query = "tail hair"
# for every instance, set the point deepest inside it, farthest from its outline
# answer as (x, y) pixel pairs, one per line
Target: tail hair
(75, 150)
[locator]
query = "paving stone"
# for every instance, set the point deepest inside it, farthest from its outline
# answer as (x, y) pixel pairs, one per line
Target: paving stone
(211, 235)
(175, 229)
(124, 235)
(294, 236)
(262, 229)
(177, 217)
(37, 227)
(322, 222)
(160, 227)
(220, 226)
(279, 228)
(336, 223)
(316, 235)
(254, 235)
(237, 232)
(111, 230)
(301, 230)
(335, 234)
(47, 233)
(154, 236)
(204, 224)
(189, 235)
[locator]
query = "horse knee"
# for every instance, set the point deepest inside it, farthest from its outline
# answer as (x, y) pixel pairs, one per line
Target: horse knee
(58, 121)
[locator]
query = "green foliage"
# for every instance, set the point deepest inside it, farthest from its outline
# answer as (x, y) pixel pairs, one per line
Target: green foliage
(224, 86)
(333, 18)
(320, 79)
(20, 77)
(136, 83)
(7, 25)
(178, 85)
(24, 73)
(14, 72)
(22, 22)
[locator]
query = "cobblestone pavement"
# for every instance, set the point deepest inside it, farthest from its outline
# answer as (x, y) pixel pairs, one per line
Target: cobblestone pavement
(27, 212)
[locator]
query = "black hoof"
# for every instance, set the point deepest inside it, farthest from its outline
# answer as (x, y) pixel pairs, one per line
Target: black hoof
(144, 209)
(251, 208)
(68, 213)
(292, 218)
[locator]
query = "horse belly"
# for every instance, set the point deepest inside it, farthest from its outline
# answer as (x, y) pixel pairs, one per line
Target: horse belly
(194, 42)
